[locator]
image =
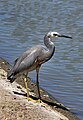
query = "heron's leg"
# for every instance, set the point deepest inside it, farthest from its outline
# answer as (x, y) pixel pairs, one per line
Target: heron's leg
(37, 81)
(26, 84)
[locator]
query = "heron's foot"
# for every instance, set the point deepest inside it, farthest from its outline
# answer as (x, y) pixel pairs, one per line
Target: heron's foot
(30, 99)
(33, 100)
(39, 100)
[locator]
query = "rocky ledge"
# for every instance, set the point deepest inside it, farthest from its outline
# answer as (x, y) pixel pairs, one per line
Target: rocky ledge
(15, 106)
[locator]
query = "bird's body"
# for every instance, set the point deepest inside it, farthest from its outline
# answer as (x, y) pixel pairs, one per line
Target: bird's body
(33, 58)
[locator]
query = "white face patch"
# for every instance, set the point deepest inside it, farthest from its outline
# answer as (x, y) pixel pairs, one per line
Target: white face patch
(52, 34)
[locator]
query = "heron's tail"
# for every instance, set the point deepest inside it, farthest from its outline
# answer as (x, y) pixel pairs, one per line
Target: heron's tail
(11, 76)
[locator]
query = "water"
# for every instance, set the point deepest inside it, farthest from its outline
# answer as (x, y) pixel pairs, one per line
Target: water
(23, 23)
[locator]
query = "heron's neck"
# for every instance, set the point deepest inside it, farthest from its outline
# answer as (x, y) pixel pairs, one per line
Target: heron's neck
(50, 45)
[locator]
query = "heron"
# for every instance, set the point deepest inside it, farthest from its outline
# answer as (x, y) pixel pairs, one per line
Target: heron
(33, 58)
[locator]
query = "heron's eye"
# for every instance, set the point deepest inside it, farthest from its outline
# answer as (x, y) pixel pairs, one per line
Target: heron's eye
(49, 36)
(55, 34)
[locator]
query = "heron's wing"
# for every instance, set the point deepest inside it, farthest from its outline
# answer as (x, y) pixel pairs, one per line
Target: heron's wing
(26, 60)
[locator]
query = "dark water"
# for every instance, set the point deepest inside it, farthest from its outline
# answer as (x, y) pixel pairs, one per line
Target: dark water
(23, 23)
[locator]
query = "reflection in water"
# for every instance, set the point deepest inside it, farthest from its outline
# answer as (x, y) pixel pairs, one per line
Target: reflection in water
(24, 23)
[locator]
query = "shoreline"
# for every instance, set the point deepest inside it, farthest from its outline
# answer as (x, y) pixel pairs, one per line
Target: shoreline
(15, 106)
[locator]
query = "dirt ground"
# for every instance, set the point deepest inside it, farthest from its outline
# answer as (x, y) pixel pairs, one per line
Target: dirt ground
(18, 107)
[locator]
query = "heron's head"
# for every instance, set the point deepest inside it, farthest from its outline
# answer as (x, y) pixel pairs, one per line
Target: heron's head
(56, 34)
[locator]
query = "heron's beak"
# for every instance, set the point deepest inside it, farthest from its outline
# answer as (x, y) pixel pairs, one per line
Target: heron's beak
(65, 36)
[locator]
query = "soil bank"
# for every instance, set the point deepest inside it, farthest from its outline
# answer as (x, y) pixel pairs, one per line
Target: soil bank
(15, 106)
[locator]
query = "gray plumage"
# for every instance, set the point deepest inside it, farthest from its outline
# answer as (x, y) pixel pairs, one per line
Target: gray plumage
(34, 57)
